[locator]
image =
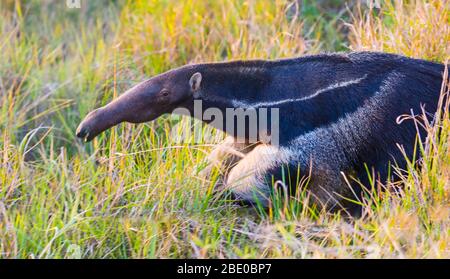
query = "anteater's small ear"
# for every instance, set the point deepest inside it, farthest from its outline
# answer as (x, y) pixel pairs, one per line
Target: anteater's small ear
(195, 81)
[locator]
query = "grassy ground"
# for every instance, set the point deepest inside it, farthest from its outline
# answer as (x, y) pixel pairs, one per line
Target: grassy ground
(134, 192)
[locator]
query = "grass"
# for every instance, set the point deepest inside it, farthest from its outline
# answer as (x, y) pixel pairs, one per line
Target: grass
(135, 192)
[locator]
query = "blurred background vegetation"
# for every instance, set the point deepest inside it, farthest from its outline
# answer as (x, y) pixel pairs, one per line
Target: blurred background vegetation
(133, 192)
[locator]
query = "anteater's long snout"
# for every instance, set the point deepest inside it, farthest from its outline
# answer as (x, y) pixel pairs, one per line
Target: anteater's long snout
(96, 122)
(134, 106)
(101, 119)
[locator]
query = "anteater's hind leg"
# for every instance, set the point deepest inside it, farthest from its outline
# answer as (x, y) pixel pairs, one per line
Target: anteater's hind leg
(224, 156)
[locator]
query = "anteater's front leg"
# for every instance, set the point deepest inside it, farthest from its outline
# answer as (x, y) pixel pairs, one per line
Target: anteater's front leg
(226, 155)
(247, 180)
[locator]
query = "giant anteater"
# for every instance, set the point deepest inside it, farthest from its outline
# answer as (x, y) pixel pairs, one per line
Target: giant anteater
(337, 116)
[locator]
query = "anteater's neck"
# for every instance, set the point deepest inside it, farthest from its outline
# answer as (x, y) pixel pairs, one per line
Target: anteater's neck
(225, 85)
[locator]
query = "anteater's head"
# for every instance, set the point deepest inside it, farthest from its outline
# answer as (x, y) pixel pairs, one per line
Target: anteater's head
(144, 102)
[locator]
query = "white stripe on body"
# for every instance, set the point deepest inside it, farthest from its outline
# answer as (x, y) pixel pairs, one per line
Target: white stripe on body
(241, 104)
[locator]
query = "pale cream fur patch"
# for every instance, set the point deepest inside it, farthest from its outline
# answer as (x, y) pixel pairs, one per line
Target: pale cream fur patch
(246, 179)
(224, 154)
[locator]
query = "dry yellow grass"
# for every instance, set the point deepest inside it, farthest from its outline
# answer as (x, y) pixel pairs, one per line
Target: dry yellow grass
(415, 28)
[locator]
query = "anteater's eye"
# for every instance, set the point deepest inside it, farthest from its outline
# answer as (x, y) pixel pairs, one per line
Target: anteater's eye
(164, 93)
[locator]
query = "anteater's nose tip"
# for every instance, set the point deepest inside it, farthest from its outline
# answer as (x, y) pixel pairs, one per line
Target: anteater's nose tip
(81, 132)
